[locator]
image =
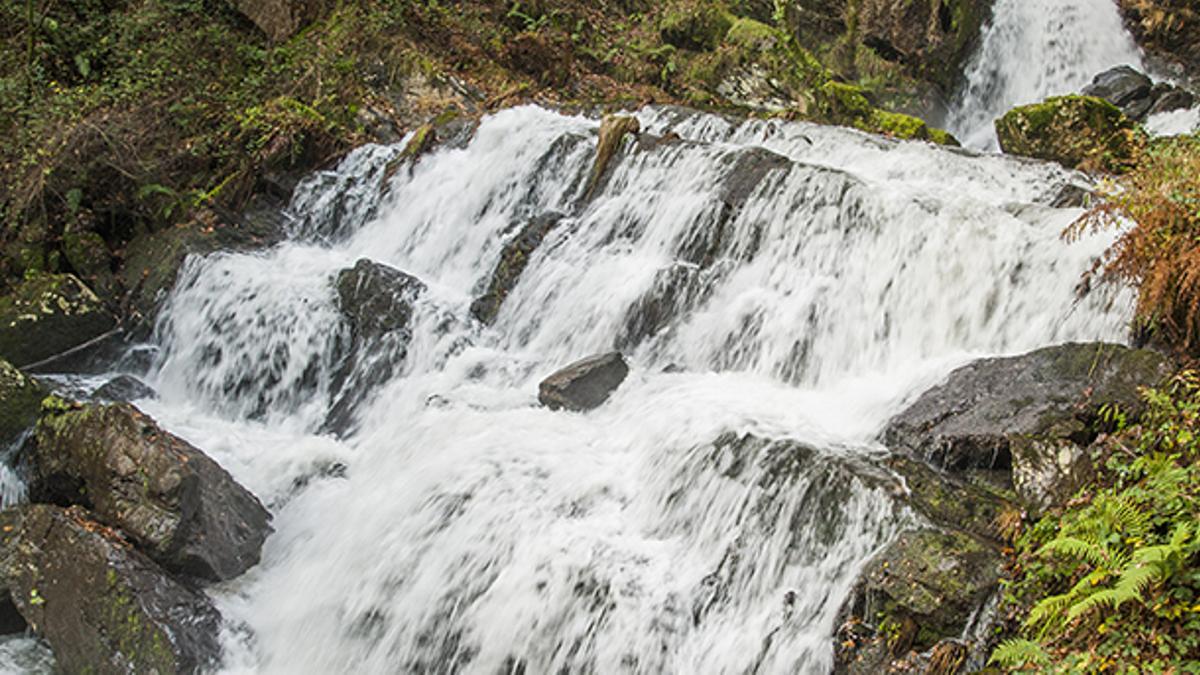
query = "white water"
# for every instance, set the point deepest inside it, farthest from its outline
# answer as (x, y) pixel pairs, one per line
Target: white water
(476, 532)
(1034, 49)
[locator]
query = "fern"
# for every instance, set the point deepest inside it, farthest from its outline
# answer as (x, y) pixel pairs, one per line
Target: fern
(1019, 653)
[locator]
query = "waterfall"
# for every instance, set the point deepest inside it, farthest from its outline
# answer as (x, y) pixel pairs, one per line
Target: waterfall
(1033, 49)
(714, 513)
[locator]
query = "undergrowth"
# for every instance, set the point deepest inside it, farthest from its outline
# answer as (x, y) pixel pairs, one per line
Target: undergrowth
(1112, 583)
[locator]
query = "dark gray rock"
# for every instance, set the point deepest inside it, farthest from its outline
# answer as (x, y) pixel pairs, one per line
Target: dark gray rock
(1125, 88)
(174, 502)
(102, 606)
(921, 591)
(123, 389)
(585, 384)
(377, 303)
(20, 403)
(1168, 97)
(47, 315)
(996, 412)
(514, 257)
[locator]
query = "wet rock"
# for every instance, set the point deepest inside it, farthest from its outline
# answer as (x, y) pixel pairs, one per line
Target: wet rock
(969, 501)
(101, 605)
(923, 588)
(1125, 88)
(1168, 97)
(281, 19)
(514, 257)
(1011, 412)
(675, 290)
(377, 302)
(1076, 131)
(123, 389)
(88, 255)
(47, 315)
(613, 129)
(585, 384)
(176, 504)
(20, 403)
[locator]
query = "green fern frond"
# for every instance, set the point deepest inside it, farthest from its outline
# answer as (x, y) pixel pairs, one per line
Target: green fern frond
(1017, 653)
(1076, 549)
(1111, 598)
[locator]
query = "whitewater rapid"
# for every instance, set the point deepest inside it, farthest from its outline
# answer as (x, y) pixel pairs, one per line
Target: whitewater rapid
(463, 528)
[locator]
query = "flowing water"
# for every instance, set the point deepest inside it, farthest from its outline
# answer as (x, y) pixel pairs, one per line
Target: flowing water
(712, 516)
(463, 528)
(1033, 49)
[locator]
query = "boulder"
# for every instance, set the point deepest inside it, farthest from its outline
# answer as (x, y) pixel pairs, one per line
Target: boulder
(1076, 131)
(1167, 97)
(1125, 88)
(585, 384)
(925, 588)
(20, 403)
(1019, 412)
(930, 38)
(281, 19)
(123, 389)
(49, 314)
(173, 501)
(102, 606)
(514, 257)
(377, 303)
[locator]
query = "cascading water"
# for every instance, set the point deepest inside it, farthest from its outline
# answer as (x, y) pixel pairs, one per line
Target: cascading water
(711, 516)
(1033, 49)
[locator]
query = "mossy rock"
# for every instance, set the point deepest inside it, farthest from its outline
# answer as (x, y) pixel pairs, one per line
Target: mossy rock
(698, 25)
(20, 402)
(102, 606)
(88, 255)
(48, 314)
(1076, 131)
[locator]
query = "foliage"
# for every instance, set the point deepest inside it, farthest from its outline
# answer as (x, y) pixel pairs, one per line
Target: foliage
(1113, 583)
(1160, 254)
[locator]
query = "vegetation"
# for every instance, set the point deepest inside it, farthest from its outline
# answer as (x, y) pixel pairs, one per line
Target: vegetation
(1160, 255)
(1112, 583)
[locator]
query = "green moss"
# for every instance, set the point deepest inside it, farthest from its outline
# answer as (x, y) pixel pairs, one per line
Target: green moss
(753, 35)
(697, 25)
(1076, 131)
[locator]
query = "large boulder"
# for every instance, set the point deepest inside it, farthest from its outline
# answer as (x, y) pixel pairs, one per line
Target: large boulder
(123, 389)
(377, 304)
(176, 504)
(20, 403)
(927, 587)
(585, 384)
(102, 606)
(1020, 412)
(514, 257)
(1076, 131)
(47, 315)
(1125, 88)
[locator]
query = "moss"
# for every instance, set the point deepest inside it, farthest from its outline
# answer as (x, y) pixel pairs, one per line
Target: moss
(697, 25)
(1076, 131)
(753, 35)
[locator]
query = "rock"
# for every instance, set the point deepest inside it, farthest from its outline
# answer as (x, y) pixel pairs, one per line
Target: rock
(123, 389)
(1125, 88)
(514, 257)
(968, 501)
(20, 403)
(281, 19)
(931, 38)
(613, 129)
(102, 606)
(925, 587)
(585, 384)
(88, 255)
(47, 315)
(1168, 97)
(377, 302)
(1075, 131)
(175, 503)
(1169, 30)
(1009, 412)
